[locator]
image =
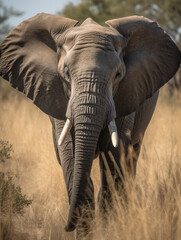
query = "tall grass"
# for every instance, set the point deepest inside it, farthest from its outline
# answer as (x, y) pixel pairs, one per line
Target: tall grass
(154, 206)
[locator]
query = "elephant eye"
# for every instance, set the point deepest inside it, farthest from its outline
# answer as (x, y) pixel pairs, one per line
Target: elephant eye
(118, 75)
(67, 73)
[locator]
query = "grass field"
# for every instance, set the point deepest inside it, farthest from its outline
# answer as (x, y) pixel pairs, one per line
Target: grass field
(154, 210)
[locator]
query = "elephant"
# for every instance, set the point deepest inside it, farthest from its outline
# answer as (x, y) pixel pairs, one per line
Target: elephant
(99, 85)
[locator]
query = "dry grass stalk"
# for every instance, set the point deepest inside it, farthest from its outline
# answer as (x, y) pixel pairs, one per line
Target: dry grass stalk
(154, 206)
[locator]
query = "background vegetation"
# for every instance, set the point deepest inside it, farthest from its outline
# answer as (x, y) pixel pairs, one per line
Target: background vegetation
(6, 13)
(166, 12)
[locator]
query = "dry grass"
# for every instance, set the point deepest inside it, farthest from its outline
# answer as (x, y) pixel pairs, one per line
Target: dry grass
(154, 210)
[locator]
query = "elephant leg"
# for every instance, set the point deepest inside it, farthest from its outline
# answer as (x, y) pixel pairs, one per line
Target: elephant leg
(64, 153)
(142, 119)
(116, 163)
(114, 175)
(110, 177)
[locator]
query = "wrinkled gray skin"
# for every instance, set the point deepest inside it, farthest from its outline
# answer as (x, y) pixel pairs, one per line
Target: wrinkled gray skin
(91, 75)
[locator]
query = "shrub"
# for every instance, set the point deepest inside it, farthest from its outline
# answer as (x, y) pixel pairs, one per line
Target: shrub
(12, 200)
(11, 197)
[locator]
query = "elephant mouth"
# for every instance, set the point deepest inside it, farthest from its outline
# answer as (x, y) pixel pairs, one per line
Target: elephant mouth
(111, 126)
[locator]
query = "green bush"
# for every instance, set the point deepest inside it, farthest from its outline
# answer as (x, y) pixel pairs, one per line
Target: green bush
(5, 151)
(11, 197)
(12, 200)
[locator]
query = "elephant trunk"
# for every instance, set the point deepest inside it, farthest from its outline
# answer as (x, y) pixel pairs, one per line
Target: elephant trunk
(89, 119)
(83, 192)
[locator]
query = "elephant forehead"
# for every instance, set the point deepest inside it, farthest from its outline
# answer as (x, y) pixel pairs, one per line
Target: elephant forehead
(91, 28)
(94, 37)
(94, 34)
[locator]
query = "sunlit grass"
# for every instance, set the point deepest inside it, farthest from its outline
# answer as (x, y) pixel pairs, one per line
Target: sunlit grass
(154, 198)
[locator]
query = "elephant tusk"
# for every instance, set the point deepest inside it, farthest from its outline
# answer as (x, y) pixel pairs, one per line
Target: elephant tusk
(64, 132)
(114, 133)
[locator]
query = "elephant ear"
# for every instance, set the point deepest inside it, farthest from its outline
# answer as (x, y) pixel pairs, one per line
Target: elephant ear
(151, 58)
(29, 61)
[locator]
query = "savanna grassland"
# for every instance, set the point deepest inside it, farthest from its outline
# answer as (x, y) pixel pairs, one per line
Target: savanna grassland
(154, 199)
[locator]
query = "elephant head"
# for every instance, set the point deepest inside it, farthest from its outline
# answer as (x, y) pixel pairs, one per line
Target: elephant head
(89, 75)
